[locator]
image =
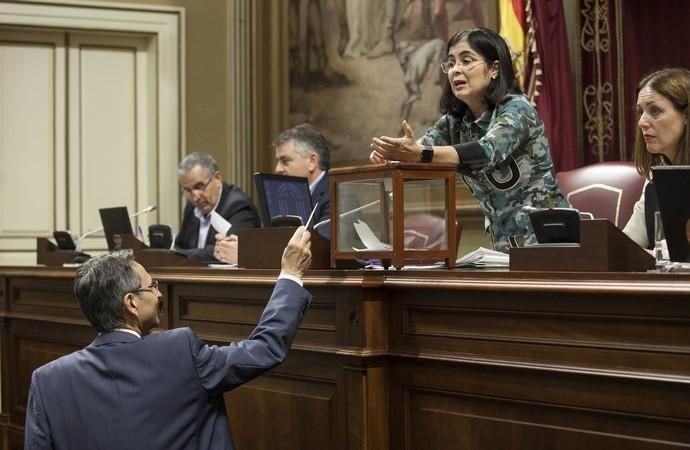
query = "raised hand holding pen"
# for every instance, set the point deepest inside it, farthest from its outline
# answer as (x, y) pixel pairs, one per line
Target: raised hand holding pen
(297, 254)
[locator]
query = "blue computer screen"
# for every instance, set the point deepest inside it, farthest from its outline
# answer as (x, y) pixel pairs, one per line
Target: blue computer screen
(287, 196)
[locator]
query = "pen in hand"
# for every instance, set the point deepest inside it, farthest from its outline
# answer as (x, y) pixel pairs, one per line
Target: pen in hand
(311, 216)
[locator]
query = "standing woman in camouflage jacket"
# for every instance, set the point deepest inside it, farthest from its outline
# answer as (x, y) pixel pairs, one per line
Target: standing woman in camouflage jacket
(492, 132)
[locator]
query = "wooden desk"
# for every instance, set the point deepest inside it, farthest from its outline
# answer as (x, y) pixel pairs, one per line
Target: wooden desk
(413, 360)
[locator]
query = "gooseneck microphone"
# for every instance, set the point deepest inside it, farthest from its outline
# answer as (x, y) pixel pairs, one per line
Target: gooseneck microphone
(146, 210)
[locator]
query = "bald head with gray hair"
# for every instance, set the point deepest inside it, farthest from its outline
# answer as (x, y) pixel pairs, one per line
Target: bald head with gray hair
(101, 284)
(203, 160)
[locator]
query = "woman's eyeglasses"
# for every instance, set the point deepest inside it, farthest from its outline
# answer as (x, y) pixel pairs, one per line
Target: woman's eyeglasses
(465, 64)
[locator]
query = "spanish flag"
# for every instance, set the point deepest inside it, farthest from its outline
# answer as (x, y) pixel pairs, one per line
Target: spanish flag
(512, 28)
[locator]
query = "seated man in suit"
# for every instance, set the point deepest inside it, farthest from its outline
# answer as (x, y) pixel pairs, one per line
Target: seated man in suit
(300, 151)
(206, 192)
(133, 390)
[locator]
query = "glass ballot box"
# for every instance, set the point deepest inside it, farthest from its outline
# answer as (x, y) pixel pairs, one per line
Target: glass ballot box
(393, 214)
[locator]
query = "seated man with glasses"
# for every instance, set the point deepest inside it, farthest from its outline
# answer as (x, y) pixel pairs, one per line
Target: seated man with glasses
(132, 389)
(205, 191)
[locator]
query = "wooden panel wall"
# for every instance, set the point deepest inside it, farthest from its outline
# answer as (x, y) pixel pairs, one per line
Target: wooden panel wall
(413, 360)
(535, 367)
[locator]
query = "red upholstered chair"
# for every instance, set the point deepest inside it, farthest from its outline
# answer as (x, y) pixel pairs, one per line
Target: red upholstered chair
(607, 190)
(427, 231)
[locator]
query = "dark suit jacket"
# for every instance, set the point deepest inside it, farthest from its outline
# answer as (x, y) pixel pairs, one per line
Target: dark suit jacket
(163, 391)
(323, 211)
(234, 206)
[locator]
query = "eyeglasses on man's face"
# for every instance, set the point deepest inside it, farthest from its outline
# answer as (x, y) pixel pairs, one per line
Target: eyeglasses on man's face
(153, 287)
(465, 64)
(198, 188)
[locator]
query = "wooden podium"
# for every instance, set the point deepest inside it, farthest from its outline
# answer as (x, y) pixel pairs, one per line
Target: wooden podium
(155, 257)
(262, 248)
(48, 254)
(602, 248)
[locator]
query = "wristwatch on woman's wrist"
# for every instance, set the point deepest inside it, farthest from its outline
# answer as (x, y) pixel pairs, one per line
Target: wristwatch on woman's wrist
(427, 154)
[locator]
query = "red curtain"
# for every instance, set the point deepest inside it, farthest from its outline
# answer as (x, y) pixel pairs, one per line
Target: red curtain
(555, 101)
(655, 35)
(600, 85)
(620, 41)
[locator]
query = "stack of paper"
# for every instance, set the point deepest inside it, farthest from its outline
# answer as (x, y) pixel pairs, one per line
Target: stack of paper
(483, 257)
(222, 266)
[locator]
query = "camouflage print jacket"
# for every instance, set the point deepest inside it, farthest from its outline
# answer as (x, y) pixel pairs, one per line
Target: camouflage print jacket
(505, 161)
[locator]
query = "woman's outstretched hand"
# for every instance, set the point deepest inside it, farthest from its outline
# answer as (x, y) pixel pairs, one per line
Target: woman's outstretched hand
(403, 148)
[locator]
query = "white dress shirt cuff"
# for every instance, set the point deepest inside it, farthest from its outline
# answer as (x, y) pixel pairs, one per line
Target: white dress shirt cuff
(291, 277)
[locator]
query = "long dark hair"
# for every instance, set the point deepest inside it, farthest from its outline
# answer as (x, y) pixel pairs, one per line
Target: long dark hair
(492, 47)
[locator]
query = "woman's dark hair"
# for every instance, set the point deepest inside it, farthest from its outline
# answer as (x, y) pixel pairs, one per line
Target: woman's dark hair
(492, 47)
(674, 84)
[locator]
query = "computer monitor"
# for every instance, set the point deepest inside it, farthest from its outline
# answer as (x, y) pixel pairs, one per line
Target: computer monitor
(673, 193)
(282, 196)
(115, 224)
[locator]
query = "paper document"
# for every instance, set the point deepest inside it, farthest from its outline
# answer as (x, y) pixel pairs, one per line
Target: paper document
(368, 238)
(438, 265)
(219, 223)
(483, 257)
(222, 266)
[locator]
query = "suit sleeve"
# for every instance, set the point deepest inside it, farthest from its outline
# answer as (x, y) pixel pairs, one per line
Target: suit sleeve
(244, 216)
(324, 210)
(223, 368)
(189, 231)
(202, 254)
(36, 432)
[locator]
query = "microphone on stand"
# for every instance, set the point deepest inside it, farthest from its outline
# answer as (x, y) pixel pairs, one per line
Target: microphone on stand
(146, 210)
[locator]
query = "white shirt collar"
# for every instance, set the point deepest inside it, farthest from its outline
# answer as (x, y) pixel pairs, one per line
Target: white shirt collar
(313, 185)
(127, 330)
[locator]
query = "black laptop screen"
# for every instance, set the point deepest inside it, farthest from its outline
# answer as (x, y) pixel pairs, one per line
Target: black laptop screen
(673, 193)
(115, 223)
(282, 195)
